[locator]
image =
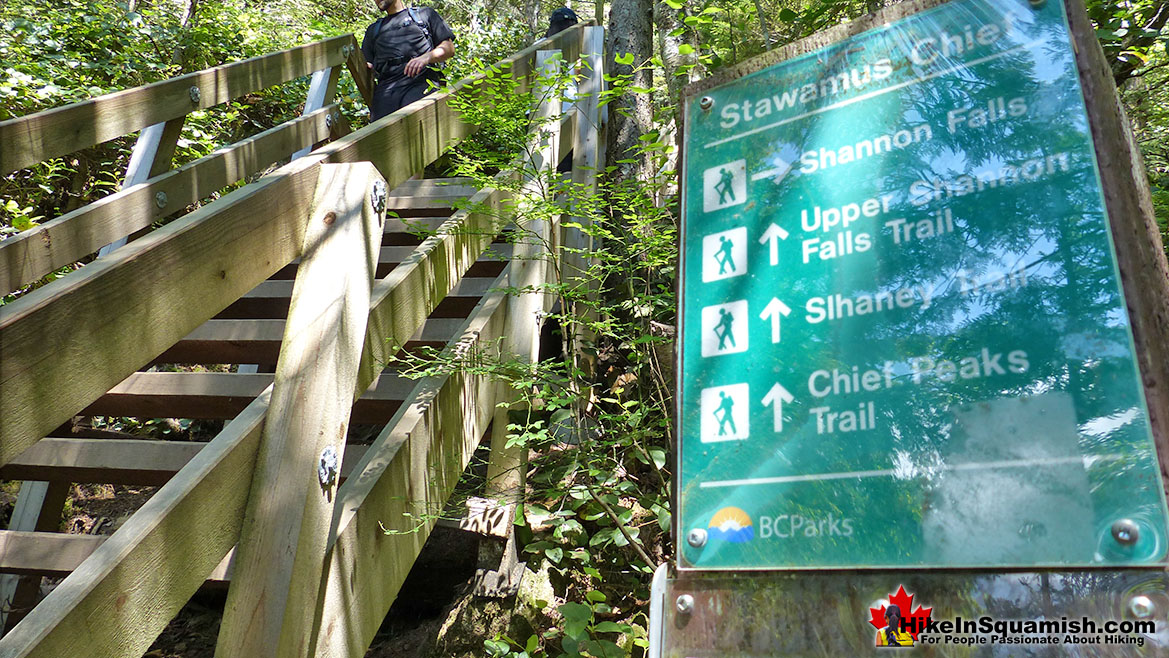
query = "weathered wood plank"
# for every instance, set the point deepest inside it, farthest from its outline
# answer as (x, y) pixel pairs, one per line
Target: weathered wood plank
(223, 396)
(31, 139)
(136, 581)
(258, 341)
(269, 300)
(33, 253)
(269, 610)
(44, 553)
(411, 468)
(117, 461)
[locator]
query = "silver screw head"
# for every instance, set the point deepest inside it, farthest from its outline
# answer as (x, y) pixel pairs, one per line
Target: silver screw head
(696, 538)
(195, 94)
(1126, 532)
(327, 467)
(706, 102)
(684, 604)
(1142, 607)
(160, 199)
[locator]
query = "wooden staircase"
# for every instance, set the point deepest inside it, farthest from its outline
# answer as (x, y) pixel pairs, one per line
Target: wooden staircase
(269, 281)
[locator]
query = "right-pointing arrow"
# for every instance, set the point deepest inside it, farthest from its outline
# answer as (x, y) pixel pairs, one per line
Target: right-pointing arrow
(775, 399)
(773, 310)
(773, 234)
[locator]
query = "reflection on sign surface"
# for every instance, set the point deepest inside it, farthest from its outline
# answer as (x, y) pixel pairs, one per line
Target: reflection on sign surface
(904, 341)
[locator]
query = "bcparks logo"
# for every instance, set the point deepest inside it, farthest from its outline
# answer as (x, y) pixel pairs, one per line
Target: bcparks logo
(731, 524)
(896, 624)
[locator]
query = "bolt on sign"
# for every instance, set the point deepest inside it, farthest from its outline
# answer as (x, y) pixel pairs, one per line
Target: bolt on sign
(904, 341)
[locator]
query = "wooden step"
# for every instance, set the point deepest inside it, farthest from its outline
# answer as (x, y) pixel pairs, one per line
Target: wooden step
(58, 554)
(271, 298)
(488, 265)
(258, 341)
(431, 193)
(222, 396)
(117, 461)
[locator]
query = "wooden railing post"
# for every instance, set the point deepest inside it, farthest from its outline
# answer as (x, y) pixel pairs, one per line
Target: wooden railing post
(38, 508)
(499, 570)
(152, 156)
(280, 559)
(586, 141)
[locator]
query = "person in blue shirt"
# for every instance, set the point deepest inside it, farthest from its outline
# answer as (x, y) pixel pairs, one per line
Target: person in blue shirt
(403, 48)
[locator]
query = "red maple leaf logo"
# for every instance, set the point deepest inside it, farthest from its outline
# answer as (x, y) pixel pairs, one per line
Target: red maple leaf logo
(914, 621)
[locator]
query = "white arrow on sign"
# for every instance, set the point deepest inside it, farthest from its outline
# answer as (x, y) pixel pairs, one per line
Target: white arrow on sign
(773, 310)
(775, 399)
(774, 233)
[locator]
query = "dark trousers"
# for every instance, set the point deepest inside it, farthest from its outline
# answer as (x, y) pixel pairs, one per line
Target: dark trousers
(394, 95)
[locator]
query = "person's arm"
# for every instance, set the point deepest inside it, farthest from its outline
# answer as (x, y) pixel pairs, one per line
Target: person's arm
(441, 53)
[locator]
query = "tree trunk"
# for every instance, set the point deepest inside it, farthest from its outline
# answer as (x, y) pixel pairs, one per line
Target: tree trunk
(630, 116)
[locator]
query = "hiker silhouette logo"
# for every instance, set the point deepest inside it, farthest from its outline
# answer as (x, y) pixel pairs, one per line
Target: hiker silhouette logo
(724, 328)
(725, 412)
(724, 186)
(724, 254)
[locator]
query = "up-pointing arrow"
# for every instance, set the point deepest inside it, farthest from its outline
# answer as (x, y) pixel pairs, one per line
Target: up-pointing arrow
(775, 399)
(773, 310)
(774, 233)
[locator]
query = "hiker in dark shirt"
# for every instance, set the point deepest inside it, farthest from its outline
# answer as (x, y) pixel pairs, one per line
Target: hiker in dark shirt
(401, 48)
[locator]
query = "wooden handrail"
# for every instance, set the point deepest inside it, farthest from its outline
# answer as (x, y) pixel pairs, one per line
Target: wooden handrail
(33, 253)
(59, 131)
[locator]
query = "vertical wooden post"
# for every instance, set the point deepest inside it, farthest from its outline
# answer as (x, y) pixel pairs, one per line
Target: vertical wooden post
(586, 141)
(529, 270)
(586, 158)
(38, 508)
(280, 558)
(152, 156)
(321, 89)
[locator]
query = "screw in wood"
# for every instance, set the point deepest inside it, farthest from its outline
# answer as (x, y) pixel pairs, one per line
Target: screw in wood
(195, 94)
(684, 604)
(706, 102)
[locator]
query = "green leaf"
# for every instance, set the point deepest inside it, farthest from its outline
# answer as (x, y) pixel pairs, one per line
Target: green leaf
(786, 14)
(673, 4)
(576, 612)
(626, 59)
(659, 457)
(611, 627)
(594, 596)
(685, 49)
(603, 649)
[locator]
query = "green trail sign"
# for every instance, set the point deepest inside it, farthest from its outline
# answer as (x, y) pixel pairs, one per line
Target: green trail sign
(904, 341)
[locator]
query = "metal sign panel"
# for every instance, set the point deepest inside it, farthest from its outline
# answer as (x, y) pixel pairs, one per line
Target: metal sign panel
(904, 341)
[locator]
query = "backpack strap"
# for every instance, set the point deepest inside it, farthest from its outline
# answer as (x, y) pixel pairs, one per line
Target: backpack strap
(411, 12)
